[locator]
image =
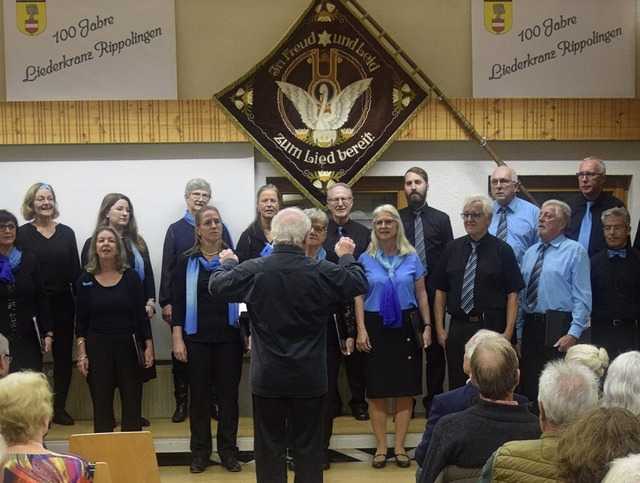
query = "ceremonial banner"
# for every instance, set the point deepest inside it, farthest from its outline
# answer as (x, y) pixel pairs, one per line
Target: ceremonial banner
(90, 49)
(551, 48)
(327, 101)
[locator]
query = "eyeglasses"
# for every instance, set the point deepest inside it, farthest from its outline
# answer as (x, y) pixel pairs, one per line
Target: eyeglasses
(502, 182)
(380, 223)
(471, 214)
(613, 228)
(197, 195)
(587, 174)
(8, 358)
(343, 200)
(7, 227)
(318, 229)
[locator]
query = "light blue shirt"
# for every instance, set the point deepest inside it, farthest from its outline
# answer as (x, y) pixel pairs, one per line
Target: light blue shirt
(410, 270)
(522, 225)
(565, 283)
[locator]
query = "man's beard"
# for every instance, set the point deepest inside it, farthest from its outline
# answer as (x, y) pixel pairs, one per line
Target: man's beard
(416, 200)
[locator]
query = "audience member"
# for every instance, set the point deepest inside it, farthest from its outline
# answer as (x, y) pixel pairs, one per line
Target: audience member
(289, 298)
(556, 303)
(615, 283)
(468, 438)
(622, 384)
(515, 220)
(594, 358)
(624, 470)
(340, 204)
(567, 390)
(429, 231)
(26, 408)
(586, 208)
(591, 443)
(477, 280)
(5, 356)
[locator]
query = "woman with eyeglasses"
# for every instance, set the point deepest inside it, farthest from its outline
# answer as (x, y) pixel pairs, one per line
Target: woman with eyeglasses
(256, 240)
(54, 246)
(25, 316)
(393, 356)
(206, 337)
(114, 341)
(117, 212)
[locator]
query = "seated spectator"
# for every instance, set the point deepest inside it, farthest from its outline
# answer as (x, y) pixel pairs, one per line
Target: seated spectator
(595, 440)
(565, 392)
(590, 356)
(468, 438)
(26, 407)
(456, 400)
(624, 470)
(622, 385)
(5, 357)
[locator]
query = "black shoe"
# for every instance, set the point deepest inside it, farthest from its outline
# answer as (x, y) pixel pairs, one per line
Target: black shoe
(403, 463)
(145, 422)
(232, 465)
(326, 464)
(199, 464)
(180, 413)
(214, 411)
(377, 465)
(63, 418)
(290, 464)
(361, 414)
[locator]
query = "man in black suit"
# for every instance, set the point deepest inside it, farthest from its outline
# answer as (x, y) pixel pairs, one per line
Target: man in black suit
(436, 229)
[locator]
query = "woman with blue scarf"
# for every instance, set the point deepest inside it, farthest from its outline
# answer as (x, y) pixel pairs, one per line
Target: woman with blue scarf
(24, 306)
(206, 337)
(393, 356)
(117, 212)
(256, 240)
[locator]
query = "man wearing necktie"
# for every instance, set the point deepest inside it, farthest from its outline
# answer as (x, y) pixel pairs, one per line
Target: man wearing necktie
(515, 220)
(429, 231)
(477, 281)
(586, 208)
(340, 203)
(557, 298)
(615, 282)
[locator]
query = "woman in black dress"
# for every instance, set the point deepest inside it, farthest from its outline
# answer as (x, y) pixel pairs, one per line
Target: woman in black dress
(206, 337)
(55, 248)
(256, 240)
(113, 332)
(25, 317)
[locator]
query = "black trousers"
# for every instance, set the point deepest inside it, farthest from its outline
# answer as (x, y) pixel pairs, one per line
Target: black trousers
(270, 416)
(334, 355)
(436, 366)
(208, 362)
(26, 355)
(357, 382)
(460, 331)
(619, 338)
(113, 362)
(63, 312)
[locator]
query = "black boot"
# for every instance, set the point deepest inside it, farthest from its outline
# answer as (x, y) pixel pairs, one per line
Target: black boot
(181, 393)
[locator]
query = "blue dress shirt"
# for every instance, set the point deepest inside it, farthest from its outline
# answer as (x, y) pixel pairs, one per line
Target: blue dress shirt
(564, 283)
(522, 225)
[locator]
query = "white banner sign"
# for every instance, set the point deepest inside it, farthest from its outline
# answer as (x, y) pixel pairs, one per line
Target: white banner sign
(90, 49)
(551, 48)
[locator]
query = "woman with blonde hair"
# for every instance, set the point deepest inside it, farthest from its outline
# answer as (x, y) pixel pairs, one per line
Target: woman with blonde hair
(25, 411)
(54, 246)
(393, 356)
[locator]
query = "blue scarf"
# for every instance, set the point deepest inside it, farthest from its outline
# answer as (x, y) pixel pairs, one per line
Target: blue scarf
(266, 251)
(390, 309)
(191, 316)
(138, 261)
(10, 264)
(189, 218)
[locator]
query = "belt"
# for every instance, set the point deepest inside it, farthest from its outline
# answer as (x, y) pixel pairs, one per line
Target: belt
(467, 318)
(622, 322)
(537, 317)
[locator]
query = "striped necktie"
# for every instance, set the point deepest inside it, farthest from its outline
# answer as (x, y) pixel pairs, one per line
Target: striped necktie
(502, 224)
(340, 232)
(468, 281)
(534, 280)
(419, 238)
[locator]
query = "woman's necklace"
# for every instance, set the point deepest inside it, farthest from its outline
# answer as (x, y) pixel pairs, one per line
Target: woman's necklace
(209, 254)
(33, 443)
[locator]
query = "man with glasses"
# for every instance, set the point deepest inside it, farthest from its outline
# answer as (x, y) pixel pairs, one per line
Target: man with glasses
(587, 207)
(556, 302)
(615, 282)
(477, 281)
(5, 358)
(515, 220)
(340, 203)
(179, 238)
(429, 231)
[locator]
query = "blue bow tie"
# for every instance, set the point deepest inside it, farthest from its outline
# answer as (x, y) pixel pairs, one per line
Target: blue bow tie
(620, 253)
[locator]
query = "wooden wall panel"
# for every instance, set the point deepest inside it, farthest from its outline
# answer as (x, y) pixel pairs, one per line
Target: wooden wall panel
(200, 121)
